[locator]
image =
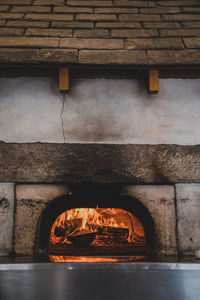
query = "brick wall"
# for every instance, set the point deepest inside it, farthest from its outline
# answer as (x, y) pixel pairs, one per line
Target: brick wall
(100, 32)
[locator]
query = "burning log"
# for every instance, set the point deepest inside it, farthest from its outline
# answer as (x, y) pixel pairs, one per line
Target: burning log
(116, 233)
(82, 238)
(68, 227)
(106, 233)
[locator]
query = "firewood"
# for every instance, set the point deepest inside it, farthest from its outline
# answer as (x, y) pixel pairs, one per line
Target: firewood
(68, 227)
(117, 233)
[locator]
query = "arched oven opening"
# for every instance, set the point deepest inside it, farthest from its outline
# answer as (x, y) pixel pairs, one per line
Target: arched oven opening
(95, 221)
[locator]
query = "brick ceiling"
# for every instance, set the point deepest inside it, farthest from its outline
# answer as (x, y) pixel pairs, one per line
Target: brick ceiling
(122, 32)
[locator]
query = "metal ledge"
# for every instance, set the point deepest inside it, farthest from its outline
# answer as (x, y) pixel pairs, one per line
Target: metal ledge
(116, 266)
(108, 281)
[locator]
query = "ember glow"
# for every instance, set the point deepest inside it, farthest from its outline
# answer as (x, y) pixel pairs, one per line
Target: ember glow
(92, 228)
(94, 259)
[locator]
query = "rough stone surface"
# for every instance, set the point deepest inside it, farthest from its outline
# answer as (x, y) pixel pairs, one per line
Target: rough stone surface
(95, 33)
(122, 33)
(192, 42)
(112, 57)
(11, 32)
(29, 42)
(110, 25)
(138, 164)
(170, 57)
(156, 43)
(6, 218)
(31, 9)
(49, 17)
(180, 32)
(82, 43)
(49, 32)
(58, 56)
(29, 24)
(159, 200)
(188, 212)
(31, 200)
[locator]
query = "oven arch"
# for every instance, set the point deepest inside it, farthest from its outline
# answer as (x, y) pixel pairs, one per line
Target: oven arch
(89, 196)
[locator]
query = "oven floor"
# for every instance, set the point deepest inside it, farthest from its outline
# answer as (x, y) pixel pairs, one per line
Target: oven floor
(100, 281)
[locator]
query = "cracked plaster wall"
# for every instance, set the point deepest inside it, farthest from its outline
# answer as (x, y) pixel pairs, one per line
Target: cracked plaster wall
(99, 110)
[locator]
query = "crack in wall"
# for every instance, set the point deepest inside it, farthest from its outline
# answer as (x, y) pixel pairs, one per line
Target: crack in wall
(61, 116)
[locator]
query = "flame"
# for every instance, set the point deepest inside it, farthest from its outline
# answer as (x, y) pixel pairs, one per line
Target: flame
(110, 226)
(58, 259)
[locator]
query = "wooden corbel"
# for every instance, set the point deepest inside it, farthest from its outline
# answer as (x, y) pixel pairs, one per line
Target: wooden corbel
(64, 79)
(153, 81)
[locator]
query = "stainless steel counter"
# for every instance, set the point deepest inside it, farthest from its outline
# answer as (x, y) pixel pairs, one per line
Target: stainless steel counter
(100, 281)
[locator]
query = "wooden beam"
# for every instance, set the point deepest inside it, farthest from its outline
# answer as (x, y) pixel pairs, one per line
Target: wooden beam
(153, 81)
(64, 79)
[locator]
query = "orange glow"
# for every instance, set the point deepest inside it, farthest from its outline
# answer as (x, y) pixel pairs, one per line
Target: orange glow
(54, 258)
(96, 227)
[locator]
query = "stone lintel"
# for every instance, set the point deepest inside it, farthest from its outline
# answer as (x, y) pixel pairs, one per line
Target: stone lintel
(106, 163)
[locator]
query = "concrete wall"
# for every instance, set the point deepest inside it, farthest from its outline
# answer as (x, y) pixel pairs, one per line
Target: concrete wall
(99, 110)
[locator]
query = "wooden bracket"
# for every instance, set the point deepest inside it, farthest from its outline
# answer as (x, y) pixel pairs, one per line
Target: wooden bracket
(153, 81)
(64, 79)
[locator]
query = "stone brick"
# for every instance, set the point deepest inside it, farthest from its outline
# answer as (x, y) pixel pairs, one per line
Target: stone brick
(95, 17)
(11, 32)
(133, 33)
(111, 25)
(183, 57)
(6, 218)
(188, 208)
(159, 200)
(192, 43)
(116, 10)
(11, 16)
(10, 55)
(191, 9)
(132, 3)
(72, 25)
(150, 17)
(91, 3)
(61, 56)
(49, 32)
(180, 32)
(29, 42)
(178, 3)
(82, 43)
(112, 57)
(50, 17)
(2, 22)
(31, 9)
(4, 8)
(155, 43)
(139, 17)
(27, 24)
(160, 10)
(16, 2)
(31, 200)
(161, 25)
(18, 55)
(73, 10)
(96, 33)
(182, 17)
(49, 2)
(191, 24)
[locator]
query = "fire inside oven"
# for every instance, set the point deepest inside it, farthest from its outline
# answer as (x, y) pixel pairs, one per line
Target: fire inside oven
(96, 231)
